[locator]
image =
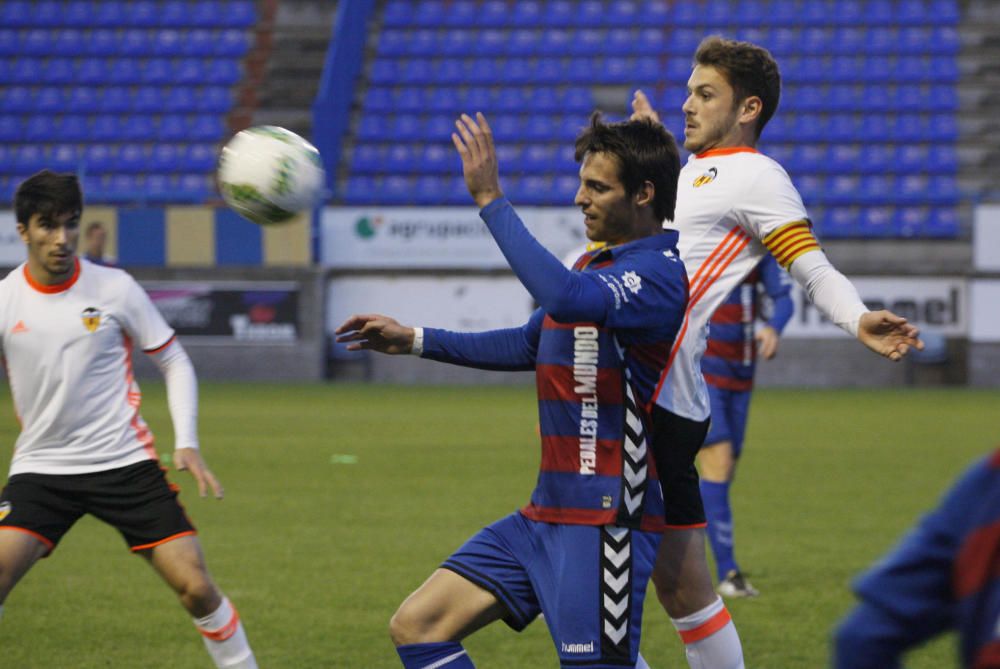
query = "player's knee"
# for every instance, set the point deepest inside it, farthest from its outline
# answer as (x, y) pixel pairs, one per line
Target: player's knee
(199, 595)
(407, 626)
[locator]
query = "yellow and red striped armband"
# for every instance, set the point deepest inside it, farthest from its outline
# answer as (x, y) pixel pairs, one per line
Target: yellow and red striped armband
(790, 241)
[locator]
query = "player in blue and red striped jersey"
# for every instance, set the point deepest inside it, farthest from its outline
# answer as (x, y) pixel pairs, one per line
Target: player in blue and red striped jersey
(728, 364)
(582, 550)
(944, 575)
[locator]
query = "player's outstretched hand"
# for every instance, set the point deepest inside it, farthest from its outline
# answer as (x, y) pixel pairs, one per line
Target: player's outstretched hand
(888, 335)
(767, 342)
(474, 141)
(189, 459)
(641, 109)
(376, 333)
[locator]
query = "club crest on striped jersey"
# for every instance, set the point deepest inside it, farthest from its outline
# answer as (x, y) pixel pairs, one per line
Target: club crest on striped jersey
(707, 177)
(91, 318)
(632, 281)
(5, 510)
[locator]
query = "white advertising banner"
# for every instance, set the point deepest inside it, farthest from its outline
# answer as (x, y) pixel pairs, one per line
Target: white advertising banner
(454, 303)
(936, 304)
(986, 237)
(438, 238)
(12, 250)
(984, 310)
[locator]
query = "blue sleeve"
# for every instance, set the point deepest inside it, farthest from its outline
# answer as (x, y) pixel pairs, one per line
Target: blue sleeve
(512, 349)
(907, 598)
(566, 296)
(778, 284)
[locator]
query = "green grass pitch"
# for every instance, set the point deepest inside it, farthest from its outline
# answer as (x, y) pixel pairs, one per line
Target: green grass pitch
(341, 499)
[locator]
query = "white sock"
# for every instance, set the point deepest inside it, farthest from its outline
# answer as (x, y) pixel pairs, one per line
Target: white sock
(641, 663)
(710, 638)
(225, 638)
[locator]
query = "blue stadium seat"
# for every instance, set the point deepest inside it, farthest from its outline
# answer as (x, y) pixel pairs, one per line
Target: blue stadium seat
(843, 158)
(396, 189)
(146, 13)
(559, 13)
(656, 41)
(16, 14)
(157, 72)
(148, 99)
(429, 13)
(373, 128)
(393, 43)
(72, 128)
(132, 158)
(209, 14)
(166, 43)
(398, 14)
(122, 71)
(217, 99)
(438, 158)
(30, 158)
(205, 128)
(527, 13)
(430, 189)
(221, 71)
(943, 223)
(39, 129)
(621, 42)
(139, 128)
(359, 189)
(179, 100)
(457, 42)
(943, 158)
(879, 222)
(943, 189)
(198, 42)
(162, 158)
(106, 128)
(26, 71)
(943, 12)
(849, 13)
(367, 159)
(239, 14)
(878, 158)
(911, 221)
(16, 99)
(839, 223)
(942, 128)
(198, 158)
(811, 188)
(462, 14)
(385, 71)
(912, 189)
(539, 158)
(493, 14)
(99, 158)
(174, 14)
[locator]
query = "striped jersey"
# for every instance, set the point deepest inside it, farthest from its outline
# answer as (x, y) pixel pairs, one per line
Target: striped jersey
(945, 575)
(595, 383)
(733, 206)
(731, 355)
(67, 349)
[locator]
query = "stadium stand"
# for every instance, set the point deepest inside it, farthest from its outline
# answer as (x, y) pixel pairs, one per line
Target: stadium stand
(868, 126)
(131, 95)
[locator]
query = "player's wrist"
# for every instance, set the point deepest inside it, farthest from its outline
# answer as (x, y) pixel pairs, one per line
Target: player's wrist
(485, 198)
(417, 347)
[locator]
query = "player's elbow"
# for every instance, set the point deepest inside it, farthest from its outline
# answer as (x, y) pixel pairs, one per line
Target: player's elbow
(858, 645)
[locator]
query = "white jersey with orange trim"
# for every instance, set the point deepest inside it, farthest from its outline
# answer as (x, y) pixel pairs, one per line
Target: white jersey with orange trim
(733, 206)
(68, 354)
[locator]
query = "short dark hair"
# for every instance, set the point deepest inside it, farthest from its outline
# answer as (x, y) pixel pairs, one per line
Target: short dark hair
(750, 69)
(646, 151)
(47, 193)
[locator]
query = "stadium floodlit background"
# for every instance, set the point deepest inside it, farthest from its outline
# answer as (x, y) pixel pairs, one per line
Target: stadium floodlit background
(344, 494)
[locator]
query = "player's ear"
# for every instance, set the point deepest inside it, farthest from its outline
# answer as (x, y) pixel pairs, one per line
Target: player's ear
(22, 230)
(645, 195)
(750, 109)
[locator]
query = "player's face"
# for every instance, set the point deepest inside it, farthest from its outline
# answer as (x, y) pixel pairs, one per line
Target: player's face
(607, 210)
(51, 242)
(711, 117)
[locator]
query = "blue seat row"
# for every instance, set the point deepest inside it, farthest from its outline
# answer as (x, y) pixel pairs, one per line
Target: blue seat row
(883, 190)
(846, 128)
(115, 99)
(865, 159)
(454, 99)
(525, 42)
(135, 13)
(649, 69)
(888, 222)
(111, 128)
(75, 43)
(438, 190)
(596, 13)
(118, 71)
(125, 158)
(441, 158)
(132, 188)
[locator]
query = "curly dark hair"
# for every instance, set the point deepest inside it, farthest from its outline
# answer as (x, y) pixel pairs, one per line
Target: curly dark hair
(47, 193)
(646, 151)
(750, 69)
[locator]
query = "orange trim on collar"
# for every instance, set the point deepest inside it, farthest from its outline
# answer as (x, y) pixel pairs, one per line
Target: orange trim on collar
(56, 287)
(727, 151)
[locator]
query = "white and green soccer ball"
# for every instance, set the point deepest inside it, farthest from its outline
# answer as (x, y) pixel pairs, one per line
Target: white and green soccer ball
(268, 174)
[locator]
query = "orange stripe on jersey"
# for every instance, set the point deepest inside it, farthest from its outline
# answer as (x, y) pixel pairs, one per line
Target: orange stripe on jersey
(706, 629)
(709, 261)
(144, 547)
(142, 433)
(153, 351)
(57, 287)
(791, 241)
(727, 251)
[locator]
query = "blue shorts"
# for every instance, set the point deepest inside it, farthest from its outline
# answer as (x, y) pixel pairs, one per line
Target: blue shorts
(588, 581)
(730, 409)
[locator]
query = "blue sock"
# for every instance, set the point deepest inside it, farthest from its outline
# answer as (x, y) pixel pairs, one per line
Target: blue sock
(715, 496)
(447, 654)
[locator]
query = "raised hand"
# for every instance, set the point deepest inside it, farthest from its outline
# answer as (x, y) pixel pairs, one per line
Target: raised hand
(888, 335)
(375, 332)
(641, 109)
(474, 141)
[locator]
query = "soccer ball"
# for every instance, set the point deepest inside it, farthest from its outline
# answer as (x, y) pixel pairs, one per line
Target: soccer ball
(268, 174)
